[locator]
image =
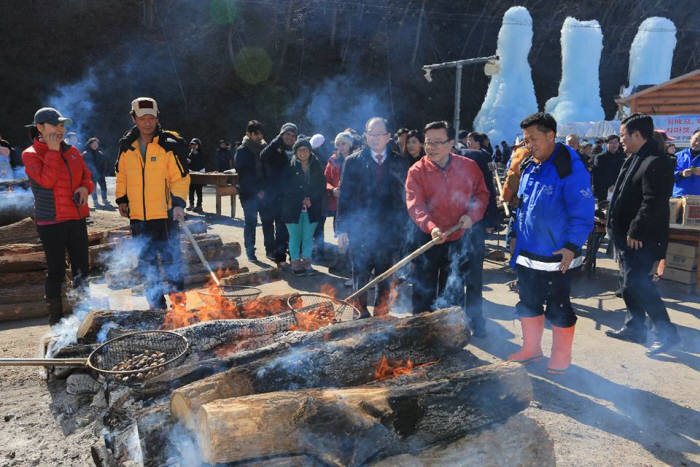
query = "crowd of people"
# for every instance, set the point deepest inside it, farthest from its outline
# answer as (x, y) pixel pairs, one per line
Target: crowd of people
(388, 194)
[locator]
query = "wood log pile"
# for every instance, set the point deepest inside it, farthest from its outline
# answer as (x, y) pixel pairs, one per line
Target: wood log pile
(23, 264)
(350, 393)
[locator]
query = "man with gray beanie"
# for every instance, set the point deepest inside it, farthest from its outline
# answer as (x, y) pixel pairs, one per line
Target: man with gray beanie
(275, 158)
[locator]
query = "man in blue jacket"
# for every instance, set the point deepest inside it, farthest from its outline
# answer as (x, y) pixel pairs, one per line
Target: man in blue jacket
(687, 173)
(552, 223)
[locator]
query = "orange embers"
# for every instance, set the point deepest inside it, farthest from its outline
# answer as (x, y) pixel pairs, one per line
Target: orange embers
(315, 318)
(386, 368)
(212, 303)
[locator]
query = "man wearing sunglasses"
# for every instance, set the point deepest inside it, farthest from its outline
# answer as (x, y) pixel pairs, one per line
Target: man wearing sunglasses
(371, 215)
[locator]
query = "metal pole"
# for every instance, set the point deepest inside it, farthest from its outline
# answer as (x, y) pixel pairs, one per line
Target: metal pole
(458, 98)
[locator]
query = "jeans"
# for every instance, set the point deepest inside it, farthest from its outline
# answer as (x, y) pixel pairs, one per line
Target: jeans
(251, 207)
(160, 261)
(56, 239)
(301, 236)
(638, 289)
(552, 288)
(102, 183)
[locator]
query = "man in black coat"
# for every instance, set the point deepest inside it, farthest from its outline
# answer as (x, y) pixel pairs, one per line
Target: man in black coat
(196, 161)
(275, 158)
(97, 163)
(638, 220)
(251, 190)
(606, 166)
(372, 216)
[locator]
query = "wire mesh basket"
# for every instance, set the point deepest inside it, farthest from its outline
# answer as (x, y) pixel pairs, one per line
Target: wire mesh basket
(323, 308)
(236, 294)
(137, 356)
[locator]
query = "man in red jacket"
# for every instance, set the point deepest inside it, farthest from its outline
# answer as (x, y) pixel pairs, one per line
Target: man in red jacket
(443, 190)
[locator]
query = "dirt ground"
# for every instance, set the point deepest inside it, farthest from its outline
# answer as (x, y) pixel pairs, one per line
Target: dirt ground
(615, 407)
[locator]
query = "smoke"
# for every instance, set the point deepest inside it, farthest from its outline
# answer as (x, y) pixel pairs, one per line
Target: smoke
(75, 101)
(181, 448)
(16, 204)
(337, 103)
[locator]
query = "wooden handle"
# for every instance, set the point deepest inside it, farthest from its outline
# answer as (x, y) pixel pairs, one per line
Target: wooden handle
(403, 262)
(199, 253)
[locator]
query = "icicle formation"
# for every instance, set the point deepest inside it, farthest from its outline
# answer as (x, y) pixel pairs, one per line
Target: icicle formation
(511, 94)
(651, 53)
(579, 88)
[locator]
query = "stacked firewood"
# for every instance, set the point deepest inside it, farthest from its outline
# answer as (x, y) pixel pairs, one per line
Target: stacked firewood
(23, 264)
(346, 394)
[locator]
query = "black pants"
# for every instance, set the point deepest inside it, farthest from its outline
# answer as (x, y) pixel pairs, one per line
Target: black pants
(102, 183)
(475, 272)
(366, 258)
(539, 288)
(56, 239)
(271, 217)
(639, 291)
(251, 207)
(196, 189)
(319, 238)
(446, 265)
(160, 260)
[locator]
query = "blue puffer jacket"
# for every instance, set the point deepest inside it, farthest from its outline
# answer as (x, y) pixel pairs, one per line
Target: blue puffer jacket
(556, 210)
(686, 185)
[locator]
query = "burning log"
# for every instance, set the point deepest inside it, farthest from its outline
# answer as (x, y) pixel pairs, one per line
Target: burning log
(348, 361)
(194, 370)
(353, 426)
(94, 322)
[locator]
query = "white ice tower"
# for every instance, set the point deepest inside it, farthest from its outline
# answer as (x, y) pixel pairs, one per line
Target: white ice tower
(579, 88)
(511, 94)
(651, 53)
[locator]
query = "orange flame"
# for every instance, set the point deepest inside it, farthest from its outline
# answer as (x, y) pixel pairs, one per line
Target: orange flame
(211, 303)
(385, 368)
(319, 317)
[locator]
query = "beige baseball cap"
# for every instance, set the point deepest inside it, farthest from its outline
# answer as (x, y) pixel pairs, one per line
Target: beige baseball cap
(144, 106)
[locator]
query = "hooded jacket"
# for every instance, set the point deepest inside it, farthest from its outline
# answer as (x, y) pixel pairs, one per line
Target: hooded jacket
(275, 161)
(153, 183)
(54, 176)
(556, 210)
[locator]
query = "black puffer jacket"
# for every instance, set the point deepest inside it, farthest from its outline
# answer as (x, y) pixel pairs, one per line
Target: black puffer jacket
(639, 207)
(251, 179)
(275, 162)
(296, 187)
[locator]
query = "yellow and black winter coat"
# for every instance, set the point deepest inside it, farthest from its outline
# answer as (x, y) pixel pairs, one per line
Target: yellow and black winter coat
(153, 183)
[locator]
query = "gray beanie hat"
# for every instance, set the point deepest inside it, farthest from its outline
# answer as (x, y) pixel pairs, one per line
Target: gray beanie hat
(344, 136)
(289, 127)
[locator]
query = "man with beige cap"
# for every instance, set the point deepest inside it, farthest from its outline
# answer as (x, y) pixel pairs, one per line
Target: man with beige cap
(152, 185)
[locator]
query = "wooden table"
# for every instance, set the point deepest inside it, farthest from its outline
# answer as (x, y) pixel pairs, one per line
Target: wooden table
(687, 234)
(225, 186)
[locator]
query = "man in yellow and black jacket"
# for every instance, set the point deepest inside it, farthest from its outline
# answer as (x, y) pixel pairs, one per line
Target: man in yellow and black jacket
(152, 185)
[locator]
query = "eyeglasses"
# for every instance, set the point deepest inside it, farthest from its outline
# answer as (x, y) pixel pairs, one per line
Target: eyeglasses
(375, 135)
(436, 143)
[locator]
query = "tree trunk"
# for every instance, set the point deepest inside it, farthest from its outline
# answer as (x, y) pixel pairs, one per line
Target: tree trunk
(10, 279)
(21, 293)
(190, 371)
(348, 361)
(134, 319)
(253, 278)
(354, 426)
(25, 310)
(21, 262)
(23, 231)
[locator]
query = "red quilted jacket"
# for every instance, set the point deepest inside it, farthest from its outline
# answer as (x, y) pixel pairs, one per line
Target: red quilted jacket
(54, 177)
